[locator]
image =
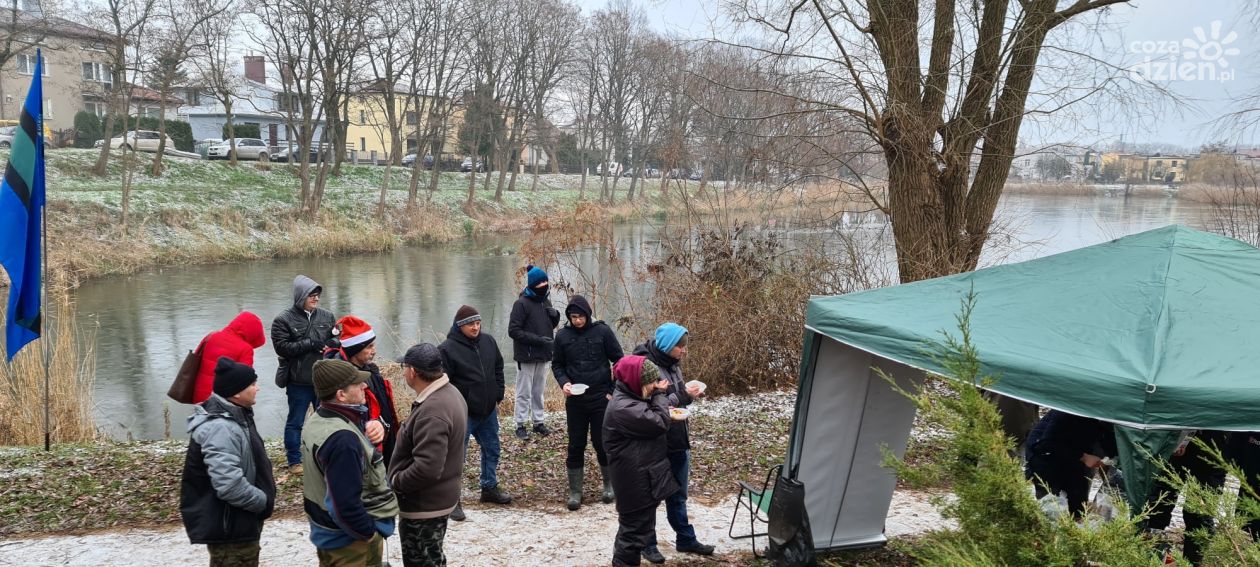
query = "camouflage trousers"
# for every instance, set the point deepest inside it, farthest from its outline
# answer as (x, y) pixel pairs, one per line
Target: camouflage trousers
(234, 554)
(421, 542)
(358, 554)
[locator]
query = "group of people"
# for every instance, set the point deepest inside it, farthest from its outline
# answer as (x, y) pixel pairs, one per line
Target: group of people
(1064, 451)
(366, 474)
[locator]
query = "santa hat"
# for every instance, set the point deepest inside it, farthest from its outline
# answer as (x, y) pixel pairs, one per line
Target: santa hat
(356, 334)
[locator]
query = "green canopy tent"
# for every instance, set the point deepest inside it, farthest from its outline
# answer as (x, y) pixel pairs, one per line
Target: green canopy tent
(1155, 332)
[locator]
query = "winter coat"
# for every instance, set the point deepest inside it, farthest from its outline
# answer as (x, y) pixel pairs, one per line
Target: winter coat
(679, 433)
(1064, 437)
(638, 458)
(584, 356)
(531, 326)
(227, 488)
(236, 341)
(475, 368)
(429, 459)
(380, 402)
(298, 338)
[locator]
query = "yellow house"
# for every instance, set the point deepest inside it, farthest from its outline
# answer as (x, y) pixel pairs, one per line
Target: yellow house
(368, 128)
(1134, 168)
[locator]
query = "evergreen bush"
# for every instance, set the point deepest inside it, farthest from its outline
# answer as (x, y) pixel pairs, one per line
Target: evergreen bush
(87, 129)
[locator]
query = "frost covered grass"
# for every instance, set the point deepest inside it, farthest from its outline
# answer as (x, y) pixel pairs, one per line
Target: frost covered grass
(206, 212)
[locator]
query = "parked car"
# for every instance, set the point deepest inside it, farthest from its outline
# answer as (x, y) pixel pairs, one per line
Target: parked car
(6, 136)
(696, 175)
(614, 169)
(294, 153)
(139, 140)
(467, 165)
(246, 148)
(410, 160)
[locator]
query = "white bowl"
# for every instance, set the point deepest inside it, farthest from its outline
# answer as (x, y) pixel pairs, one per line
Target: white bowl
(679, 414)
(578, 389)
(697, 384)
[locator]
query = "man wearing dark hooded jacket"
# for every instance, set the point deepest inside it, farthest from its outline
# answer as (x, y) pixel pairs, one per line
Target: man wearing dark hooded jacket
(474, 365)
(227, 490)
(299, 334)
(666, 350)
(584, 350)
(532, 326)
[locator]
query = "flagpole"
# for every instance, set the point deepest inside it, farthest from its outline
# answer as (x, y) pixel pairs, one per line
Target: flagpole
(43, 259)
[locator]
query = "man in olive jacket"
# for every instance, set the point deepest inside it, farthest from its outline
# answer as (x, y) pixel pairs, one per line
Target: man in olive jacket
(227, 489)
(428, 460)
(299, 335)
(474, 365)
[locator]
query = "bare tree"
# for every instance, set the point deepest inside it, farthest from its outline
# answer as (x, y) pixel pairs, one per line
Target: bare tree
(556, 30)
(940, 89)
(439, 77)
(127, 19)
(615, 32)
(215, 67)
(179, 22)
(390, 55)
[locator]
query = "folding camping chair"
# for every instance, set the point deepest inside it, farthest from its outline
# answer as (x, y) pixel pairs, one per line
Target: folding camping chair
(757, 502)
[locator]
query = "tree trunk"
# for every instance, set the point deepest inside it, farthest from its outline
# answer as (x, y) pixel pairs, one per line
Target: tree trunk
(156, 170)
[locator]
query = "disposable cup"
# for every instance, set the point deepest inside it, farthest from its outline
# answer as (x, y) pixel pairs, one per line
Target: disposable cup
(578, 389)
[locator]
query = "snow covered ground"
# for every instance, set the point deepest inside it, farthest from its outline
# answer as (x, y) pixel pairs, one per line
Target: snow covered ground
(490, 536)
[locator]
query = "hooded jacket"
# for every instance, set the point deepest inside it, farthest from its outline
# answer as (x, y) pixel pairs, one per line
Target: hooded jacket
(583, 356)
(236, 341)
(227, 489)
(532, 326)
(299, 338)
(679, 434)
(638, 459)
(475, 368)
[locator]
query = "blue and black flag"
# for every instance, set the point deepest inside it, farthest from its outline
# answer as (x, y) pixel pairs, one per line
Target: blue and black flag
(21, 213)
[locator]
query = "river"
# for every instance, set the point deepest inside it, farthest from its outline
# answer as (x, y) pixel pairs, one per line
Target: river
(145, 323)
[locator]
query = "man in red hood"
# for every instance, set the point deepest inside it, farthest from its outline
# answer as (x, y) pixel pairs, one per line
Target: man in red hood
(236, 341)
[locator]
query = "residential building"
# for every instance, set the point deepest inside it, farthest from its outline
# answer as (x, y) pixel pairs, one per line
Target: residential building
(76, 72)
(256, 102)
(367, 128)
(1134, 168)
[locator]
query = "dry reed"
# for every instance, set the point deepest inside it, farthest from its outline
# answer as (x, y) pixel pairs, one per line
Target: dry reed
(71, 370)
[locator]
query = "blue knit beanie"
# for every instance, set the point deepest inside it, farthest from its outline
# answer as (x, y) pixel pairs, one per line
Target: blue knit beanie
(668, 335)
(534, 276)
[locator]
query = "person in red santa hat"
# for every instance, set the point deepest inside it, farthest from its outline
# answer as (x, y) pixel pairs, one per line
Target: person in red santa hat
(358, 347)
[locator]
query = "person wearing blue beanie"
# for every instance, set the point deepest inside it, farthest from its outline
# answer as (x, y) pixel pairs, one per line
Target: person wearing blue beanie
(532, 327)
(666, 350)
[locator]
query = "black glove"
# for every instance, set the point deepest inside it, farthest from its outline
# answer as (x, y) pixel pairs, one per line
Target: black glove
(332, 343)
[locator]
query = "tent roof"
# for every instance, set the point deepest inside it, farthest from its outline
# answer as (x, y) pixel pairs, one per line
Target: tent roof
(1155, 330)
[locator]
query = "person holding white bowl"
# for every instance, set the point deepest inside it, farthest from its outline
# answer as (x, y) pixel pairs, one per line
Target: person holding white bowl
(585, 350)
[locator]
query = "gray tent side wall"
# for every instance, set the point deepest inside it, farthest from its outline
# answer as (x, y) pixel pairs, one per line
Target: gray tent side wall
(846, 412)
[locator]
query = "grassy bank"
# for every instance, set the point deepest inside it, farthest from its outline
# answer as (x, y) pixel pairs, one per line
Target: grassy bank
(208, 212)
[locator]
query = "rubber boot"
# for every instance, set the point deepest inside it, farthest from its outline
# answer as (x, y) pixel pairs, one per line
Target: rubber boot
(608, 496)
(575, 489)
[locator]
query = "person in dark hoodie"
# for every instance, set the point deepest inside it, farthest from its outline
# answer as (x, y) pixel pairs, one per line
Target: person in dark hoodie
(227, 489)
(666, 350)
(299, 334)
(474, 365)
(1063, 452)
(635, 427)
(531, 326)
(585, 351)
(358, 347)
(236, 341)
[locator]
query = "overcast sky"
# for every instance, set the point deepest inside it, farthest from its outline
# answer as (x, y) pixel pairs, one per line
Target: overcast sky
(1144, 28)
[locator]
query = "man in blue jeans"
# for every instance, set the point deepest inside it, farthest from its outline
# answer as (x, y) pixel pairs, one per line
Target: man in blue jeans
(299, 335)
(666, 350)
(474, 365)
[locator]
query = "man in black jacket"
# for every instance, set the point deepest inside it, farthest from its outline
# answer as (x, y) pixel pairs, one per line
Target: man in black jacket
(1063, 452)
(584, 350)
(227, 490)
(299, 335)
(474, 365)
(531, 325)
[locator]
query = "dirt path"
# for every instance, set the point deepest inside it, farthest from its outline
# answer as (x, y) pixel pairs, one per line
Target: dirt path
(491, 536)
